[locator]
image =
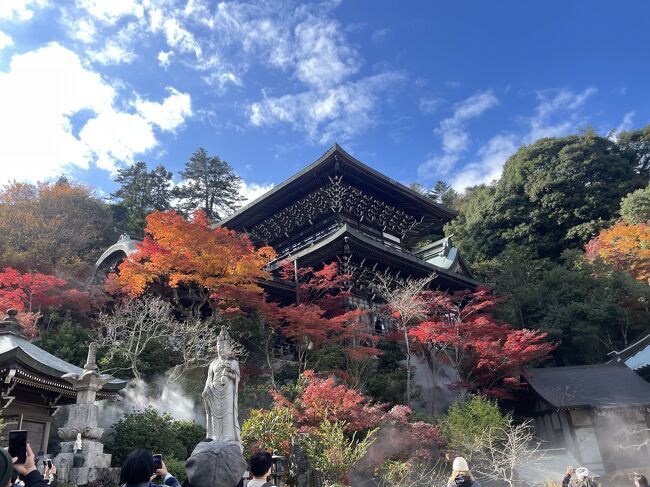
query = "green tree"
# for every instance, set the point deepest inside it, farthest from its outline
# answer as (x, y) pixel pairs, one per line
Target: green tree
(68, 341)
(141, 192)
(210, 184)
(444, 194)
(588, 308)
(554, 194)
(634, 145)
(635, 207)
(469, 419)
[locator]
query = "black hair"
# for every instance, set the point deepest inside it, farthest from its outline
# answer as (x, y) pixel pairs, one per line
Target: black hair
(261, 462)
(137, 468)
(643, 482)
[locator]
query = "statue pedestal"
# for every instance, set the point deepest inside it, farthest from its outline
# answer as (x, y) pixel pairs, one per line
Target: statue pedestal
(96, 469)
(82, 418)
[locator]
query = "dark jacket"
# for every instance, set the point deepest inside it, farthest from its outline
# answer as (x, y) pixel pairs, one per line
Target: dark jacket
(34, 479)
(577, 483)
(474, 484)
(170, 481)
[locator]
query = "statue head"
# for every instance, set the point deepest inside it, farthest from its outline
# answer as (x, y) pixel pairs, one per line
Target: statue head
(224, 347)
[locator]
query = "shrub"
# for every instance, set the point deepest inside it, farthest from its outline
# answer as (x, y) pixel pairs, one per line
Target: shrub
(470, 418)
(635, 207)
(272, 430)
(176, 467)
(158, 433)
(332, 452)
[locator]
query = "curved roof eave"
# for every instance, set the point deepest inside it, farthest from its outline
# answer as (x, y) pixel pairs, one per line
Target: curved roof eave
(337, 149)
(14, 347)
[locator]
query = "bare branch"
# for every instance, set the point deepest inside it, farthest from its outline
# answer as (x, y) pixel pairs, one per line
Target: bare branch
(134, 325)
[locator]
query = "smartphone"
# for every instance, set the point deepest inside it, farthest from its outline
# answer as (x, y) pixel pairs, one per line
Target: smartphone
(157, 461)
(44, 463)
(18, 445)
(49, 463)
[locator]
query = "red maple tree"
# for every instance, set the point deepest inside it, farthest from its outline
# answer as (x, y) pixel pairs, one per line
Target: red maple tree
(321, 314)
(488, 355)
(197, 264)
(30, 293)
(322, 398)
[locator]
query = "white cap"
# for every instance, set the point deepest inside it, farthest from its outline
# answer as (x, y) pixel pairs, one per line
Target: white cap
(460, 465)
(582, 473)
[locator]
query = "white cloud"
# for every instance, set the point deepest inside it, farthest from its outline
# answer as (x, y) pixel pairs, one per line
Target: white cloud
(429, 105)
(110, 11)
(179, 38)
(169, 114)
(626, 124)
(472, 107)
(20, 9)
(322, 57)
(112, 53)
(164, 58)
(342, 111)
(564, 102)
(454, 137)
(252, 191)
(5, 41)
(490, 165)
(557, 114)
(117, 136)
(41, 96)
(83, 30)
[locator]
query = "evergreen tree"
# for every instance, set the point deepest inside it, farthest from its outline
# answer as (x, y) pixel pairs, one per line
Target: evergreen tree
(554, 194)
(211, 185)
(635, 207)
(444, 194)
(141, 192)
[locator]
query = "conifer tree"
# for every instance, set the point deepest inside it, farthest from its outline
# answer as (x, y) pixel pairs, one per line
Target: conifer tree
(210, 185)
(141, 192)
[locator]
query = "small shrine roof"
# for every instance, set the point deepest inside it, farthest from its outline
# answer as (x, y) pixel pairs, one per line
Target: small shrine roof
(636, 356)
(14, 347)
(603, 386)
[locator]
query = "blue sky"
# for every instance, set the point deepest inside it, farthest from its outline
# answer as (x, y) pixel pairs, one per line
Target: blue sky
(418, 90)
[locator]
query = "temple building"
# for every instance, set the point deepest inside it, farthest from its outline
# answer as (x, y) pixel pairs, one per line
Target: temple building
(32, 387)
(598, 413)
(339, 209)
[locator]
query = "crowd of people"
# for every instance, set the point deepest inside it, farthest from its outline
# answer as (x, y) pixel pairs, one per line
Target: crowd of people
(212, 463)
(216, 463)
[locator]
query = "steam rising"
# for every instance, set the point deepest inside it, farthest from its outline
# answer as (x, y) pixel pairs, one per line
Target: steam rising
(165, 397)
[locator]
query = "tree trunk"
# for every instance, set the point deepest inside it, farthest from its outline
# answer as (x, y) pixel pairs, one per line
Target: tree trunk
(408, 366)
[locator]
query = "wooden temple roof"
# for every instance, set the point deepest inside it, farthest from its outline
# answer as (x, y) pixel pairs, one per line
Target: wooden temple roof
(348, 241)
(337, 162)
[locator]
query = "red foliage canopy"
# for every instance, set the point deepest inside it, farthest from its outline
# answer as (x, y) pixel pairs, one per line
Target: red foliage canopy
(31, 292)
(322, 315)
(488, 356)
(322, 399)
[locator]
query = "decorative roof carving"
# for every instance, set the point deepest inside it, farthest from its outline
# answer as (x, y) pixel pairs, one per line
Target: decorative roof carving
(336, 197)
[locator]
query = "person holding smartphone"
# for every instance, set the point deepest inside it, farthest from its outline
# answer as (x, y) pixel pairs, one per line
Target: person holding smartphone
(27, 470)
(139, 470)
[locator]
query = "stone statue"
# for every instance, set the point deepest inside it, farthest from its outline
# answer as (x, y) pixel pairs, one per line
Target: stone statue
(220, 392)
(77, 443)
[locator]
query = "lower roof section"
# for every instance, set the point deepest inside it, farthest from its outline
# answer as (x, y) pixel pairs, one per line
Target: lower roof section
(348, 241)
